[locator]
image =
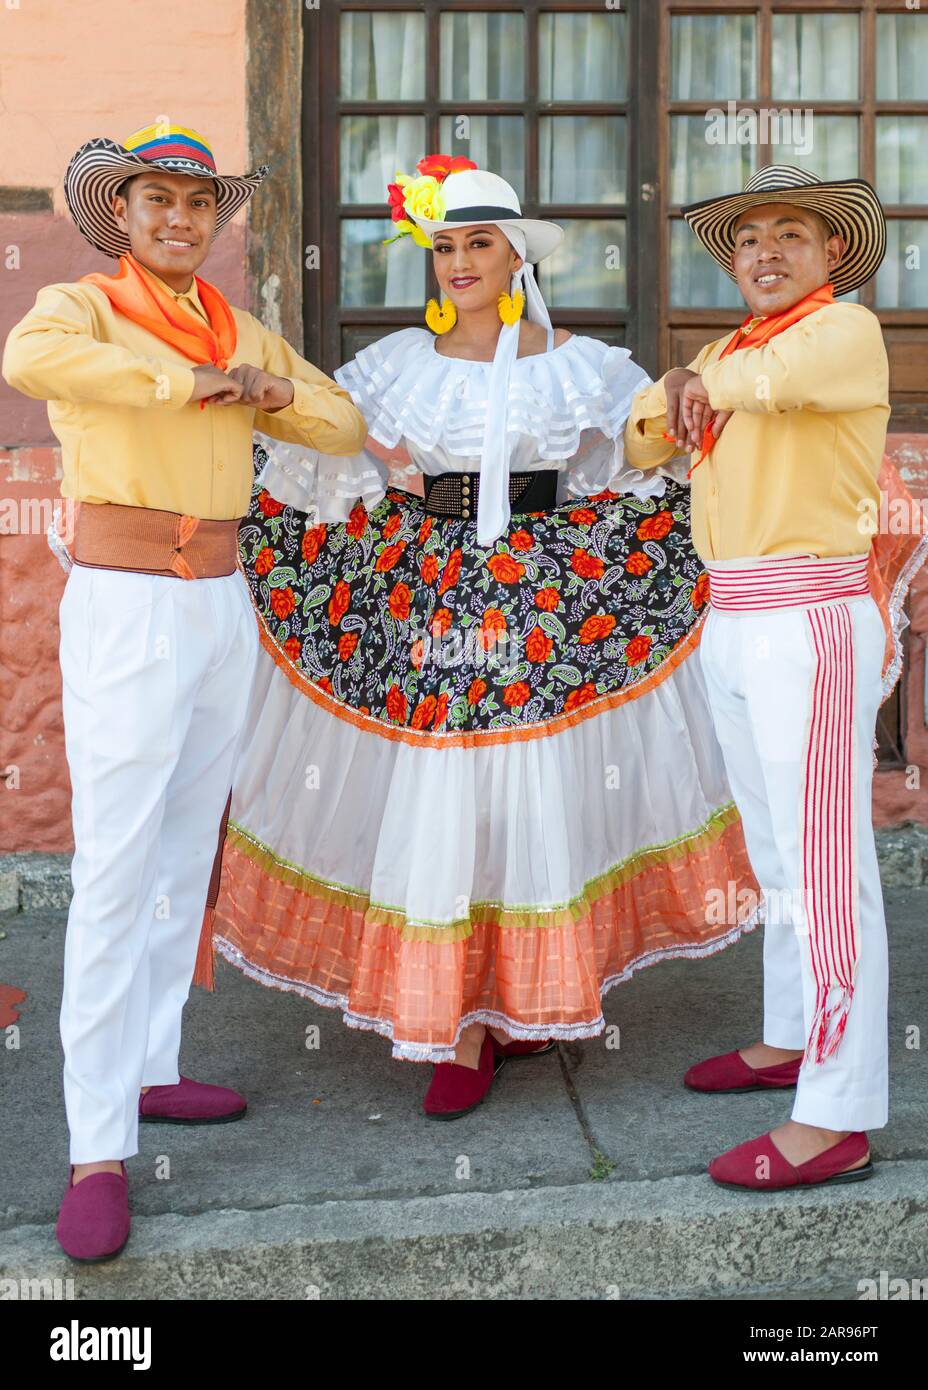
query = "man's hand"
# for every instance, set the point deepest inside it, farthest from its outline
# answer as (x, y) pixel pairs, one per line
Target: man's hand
(261, 389)
(698, 413)
(674, 383)
(210, 384)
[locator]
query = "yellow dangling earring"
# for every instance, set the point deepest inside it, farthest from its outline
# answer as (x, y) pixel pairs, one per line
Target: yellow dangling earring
(511, 306)
(440, 318)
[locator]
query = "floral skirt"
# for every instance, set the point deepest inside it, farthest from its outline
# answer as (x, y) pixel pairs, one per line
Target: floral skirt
(476, 783)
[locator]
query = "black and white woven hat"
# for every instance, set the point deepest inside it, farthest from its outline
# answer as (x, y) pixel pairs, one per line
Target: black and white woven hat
(98, 168)
(850, 206)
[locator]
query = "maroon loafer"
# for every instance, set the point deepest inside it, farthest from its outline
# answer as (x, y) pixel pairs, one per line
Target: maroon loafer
(759, 1164)
(191, 1103)
(93, 1220)
(518, 1047)
(455, 1090)
(731, 1073)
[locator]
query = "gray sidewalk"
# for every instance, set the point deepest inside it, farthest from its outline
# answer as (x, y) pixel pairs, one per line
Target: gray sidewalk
(582, 1175)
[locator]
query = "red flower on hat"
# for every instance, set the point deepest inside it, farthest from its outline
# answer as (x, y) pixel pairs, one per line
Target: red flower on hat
(441, 165)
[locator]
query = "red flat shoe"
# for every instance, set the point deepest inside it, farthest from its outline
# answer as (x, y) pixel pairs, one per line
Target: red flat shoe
(519, 1047)
(94, 1221)
(731, 1073)
(191, 1103)
(455, 1090)
(739, 1166)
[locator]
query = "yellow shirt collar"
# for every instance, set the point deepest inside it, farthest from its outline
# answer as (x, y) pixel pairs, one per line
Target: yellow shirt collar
(190, 297)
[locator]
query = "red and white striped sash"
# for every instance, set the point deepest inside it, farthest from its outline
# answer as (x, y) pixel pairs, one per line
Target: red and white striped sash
(828, 804)
(787, 582)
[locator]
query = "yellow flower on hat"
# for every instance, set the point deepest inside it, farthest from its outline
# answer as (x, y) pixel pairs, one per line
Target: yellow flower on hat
(421, 197)
(424, 198)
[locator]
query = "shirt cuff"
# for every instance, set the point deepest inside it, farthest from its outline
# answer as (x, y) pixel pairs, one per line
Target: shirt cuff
(174, 385)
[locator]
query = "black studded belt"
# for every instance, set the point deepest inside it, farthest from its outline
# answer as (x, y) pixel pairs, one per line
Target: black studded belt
(457, 494)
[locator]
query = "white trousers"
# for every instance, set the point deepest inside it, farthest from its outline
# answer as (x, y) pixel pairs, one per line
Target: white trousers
(759, 669)
(156, 674)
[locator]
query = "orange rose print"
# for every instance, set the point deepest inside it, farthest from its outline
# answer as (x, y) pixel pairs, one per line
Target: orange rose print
(452, 571)
(547, 599)
(441, 710)
(338, 603)
(269, 505)
(423, 713)
(521, 540)
(586, 565)
(581, 696)
(346, 645)
(492, 629)
(396, 705)
(538, 645)
(598, 626)
(393, 525)
(283, 602)
(441, 621)
(476, 691)
(583, 516)
(293, 647)
(638, 562)
(399, 601)
(389, 556)
(265, 561)
(425, 530)
(356, 524)
(415, 653)
(325, 684)
(312, 541)
(429, 569)
(655, 528)
(516, 695)
(504, 569)
(637, 650)
(700, 595)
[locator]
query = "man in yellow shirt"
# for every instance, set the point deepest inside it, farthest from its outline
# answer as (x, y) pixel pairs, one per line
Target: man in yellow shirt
(786, 423)
(154, 385)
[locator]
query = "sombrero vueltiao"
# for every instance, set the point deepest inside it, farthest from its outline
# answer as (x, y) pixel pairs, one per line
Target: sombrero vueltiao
(850, 206)
(100, 166)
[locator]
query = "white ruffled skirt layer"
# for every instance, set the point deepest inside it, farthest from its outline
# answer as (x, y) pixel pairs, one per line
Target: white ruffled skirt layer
(420, 887)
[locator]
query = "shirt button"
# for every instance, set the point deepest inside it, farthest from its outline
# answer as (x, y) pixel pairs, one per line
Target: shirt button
(220, 466)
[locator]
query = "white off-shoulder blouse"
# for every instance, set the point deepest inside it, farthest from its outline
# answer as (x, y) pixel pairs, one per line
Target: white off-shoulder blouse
(567, 410)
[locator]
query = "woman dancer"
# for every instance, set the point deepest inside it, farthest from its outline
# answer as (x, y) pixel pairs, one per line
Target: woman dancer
(478, 784)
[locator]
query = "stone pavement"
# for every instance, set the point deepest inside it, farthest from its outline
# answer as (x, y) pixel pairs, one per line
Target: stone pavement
(581, 1176)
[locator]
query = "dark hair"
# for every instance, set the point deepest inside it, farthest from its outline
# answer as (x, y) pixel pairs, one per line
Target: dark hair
(123, 190)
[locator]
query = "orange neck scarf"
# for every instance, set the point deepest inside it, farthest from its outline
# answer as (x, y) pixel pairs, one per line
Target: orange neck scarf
(762, 332)
(135, 293)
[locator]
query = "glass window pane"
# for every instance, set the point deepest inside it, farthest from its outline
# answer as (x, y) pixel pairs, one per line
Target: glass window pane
(492, 142)
(902, 279)
(901, 57)
(815, 56)
(696, 282)
(902, 158)
(712, 57)
(582, 57)
(382, 57)
(587, 271)
(581, 159)
(825, 144)
(373, 148)
(482, 57)
(372, 273)
(701, 168)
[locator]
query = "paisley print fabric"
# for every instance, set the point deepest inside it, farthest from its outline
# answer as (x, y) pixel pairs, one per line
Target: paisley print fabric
(403, 617)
